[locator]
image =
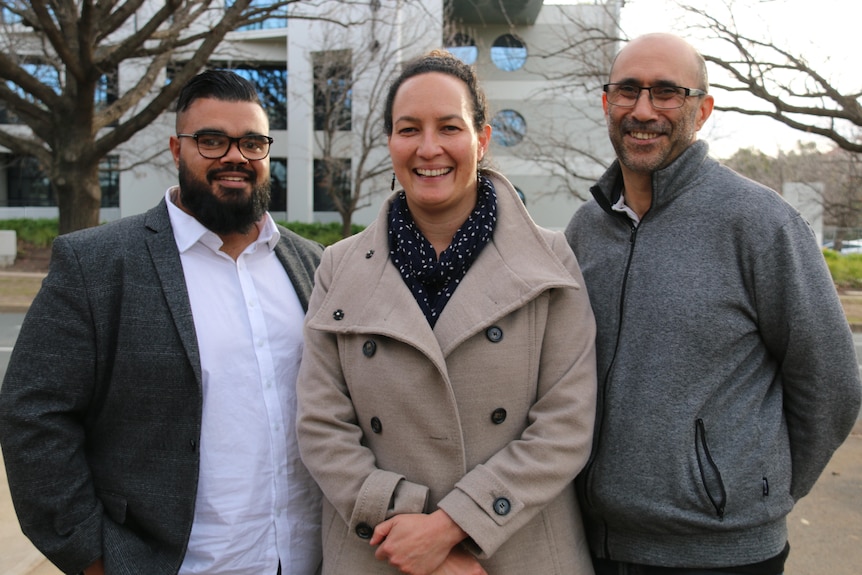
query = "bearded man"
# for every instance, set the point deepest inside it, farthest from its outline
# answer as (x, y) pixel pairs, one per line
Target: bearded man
(147, 414)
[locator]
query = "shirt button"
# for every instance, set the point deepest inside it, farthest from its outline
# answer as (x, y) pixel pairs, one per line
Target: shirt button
(494, 334)
(338, 315)
(502, 506)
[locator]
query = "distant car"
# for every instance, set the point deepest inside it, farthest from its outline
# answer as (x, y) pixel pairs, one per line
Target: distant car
(847, 246)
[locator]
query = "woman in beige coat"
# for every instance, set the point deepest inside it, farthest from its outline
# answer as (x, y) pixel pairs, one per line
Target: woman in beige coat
(447, 389)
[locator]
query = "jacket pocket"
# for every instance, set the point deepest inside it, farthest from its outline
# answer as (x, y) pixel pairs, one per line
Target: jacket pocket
(709, 473)
(115, 505)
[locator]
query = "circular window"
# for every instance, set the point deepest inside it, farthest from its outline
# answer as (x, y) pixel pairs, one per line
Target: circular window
(463, 47)
(508, 53)
(509, 128)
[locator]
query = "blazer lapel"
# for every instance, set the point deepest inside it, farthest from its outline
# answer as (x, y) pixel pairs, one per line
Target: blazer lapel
(166, 260)
(298, 265)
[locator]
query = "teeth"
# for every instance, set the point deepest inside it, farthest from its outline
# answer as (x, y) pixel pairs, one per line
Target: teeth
(643, 135)
(232, 179)
(432, 173)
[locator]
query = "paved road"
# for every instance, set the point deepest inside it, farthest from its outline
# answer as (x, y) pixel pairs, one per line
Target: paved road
(825, 527)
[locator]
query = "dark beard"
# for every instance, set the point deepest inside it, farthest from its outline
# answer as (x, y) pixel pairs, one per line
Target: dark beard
(233, 214)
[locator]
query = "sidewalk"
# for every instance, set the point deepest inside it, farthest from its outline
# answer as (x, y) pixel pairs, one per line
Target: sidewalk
(825, 527)
(17, 554)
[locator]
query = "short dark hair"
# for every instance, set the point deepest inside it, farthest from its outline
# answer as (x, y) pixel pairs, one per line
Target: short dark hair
(445, 63)
(219, 85)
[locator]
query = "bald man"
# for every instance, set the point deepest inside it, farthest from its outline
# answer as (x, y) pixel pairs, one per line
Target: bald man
(727, 370)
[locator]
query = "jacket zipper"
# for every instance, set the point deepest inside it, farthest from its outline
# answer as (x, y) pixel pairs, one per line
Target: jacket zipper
(587, 494)
(709, 473)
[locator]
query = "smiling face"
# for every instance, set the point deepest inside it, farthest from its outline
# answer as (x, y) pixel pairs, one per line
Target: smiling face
(644, 138)
(434, 146)
(229, 194)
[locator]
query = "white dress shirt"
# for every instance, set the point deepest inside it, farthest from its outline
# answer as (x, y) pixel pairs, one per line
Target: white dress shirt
(256, 503)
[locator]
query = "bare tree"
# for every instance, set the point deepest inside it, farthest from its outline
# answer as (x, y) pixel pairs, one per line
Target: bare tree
(568, 138)
(776, 82)
(58, 65)
(352, 72)
(838, 171)
(787, 88)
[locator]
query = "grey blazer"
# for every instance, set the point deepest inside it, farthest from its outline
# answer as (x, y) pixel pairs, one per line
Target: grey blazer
(100, 409)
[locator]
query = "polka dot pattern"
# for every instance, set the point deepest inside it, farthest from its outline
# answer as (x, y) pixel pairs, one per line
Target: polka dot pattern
(433, 281)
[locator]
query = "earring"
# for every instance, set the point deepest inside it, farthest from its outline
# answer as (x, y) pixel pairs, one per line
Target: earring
(392, 186)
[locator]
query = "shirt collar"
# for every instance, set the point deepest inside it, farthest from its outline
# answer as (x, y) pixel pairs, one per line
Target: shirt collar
(621, 206)
(188, 231)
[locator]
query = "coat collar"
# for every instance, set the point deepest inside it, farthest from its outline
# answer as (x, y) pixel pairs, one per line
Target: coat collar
(514, 268)
(667, 183)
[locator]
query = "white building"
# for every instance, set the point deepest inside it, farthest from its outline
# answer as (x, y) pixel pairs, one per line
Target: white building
(542, 112)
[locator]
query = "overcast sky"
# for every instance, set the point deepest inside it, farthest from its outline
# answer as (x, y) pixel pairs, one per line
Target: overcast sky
(826, 32)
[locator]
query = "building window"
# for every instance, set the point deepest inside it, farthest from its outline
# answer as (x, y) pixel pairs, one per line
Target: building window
(107, 88)
(28, 184)
(509, 128)
(44, 73)
(463, 47)
(7, 16)
(332, 90)
(331, 180)
(276, 19)
(508, 53)
(271, 82)
(109, 181)
(278, 181)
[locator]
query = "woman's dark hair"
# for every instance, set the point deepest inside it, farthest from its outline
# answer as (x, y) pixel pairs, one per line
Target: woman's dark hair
(217, 84)
(445, 63)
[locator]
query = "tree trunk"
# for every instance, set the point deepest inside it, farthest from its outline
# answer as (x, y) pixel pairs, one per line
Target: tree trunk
(347, 224)
(79, 197)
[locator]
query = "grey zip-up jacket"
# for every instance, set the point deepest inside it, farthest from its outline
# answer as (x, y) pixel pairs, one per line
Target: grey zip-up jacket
(727, 370)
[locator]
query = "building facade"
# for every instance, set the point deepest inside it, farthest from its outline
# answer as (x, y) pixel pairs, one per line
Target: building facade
(324, 86)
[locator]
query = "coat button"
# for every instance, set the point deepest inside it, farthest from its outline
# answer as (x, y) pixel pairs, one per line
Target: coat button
(368, 254)
(364, 531)
(502, 506)
(368, 348)
(338, 315)
(376, 426)
(498, 416)
(494, 334)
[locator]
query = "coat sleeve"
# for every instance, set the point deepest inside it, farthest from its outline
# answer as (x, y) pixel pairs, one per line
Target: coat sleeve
(496, 499)
(804, 327)
(43, 404)
(329, 436)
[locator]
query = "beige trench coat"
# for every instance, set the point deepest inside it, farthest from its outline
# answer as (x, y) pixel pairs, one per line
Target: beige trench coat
(488, 417)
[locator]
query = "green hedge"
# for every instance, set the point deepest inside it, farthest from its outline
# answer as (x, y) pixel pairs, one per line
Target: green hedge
(41, 232)
(326, 234)
(846, 269)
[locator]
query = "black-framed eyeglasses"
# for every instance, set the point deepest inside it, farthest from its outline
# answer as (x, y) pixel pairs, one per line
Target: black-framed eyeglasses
(661, 97)
(215, 145)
